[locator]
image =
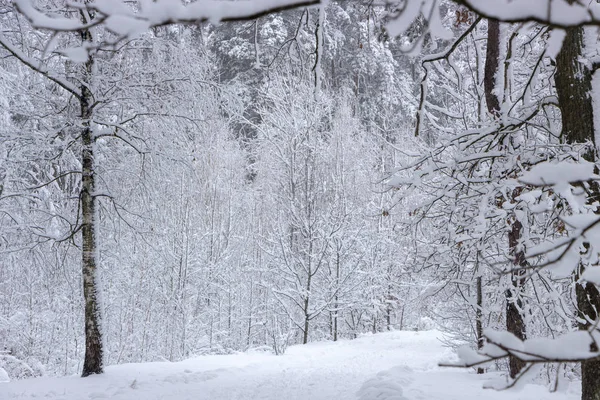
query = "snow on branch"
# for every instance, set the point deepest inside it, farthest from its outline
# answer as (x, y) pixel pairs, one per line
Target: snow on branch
(119, 15)
(127, 19)
(569, 348)
(122, 20)
(36, 66)
(556, 13)
(559, 173)
(575, 182)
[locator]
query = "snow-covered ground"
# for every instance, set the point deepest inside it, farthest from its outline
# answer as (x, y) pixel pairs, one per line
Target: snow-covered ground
(386, 366)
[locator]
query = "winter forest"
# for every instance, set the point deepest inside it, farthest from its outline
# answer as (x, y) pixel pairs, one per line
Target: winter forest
(271, 180)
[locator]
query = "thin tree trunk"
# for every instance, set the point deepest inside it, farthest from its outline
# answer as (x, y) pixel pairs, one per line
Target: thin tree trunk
(306, 305)
(515, 323)
(335, 321)
(336, 297)
(306, 326)
(492, 55)
(250, 309)
(573, 87)
(479, 318)
(588, 301)
(93, 337)
(514, 304)
(374, 327)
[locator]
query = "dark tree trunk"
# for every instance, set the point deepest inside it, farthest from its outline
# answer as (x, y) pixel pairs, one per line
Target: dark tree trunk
(335, 321)
(336, 303)
(588, 301)
(515, 323)
(479, 318)
(573, 87)
(306, 307)
(492, 55)
(514, 304)
(93, 337)
(306, 327)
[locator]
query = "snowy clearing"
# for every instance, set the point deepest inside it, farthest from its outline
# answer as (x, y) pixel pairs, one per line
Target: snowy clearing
(385, 366)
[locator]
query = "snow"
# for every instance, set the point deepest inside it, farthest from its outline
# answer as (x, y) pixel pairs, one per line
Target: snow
(409, 14)
(559, 173)
(386, 366)
(592, 275)
(578, 345)
(572, 345)
(33, 64)
(3, 376)
(43, 21)
(126, 25)
(555, 41)
(558, 12)
(76, 54)
(158, 12)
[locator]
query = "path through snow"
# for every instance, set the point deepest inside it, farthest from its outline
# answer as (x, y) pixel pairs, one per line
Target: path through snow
(386, 366)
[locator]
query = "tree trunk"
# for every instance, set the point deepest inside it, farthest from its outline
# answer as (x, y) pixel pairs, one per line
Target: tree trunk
(336, 303)
(492, 60)
(305, 331)
(573, 87)
(93, 361)
(335, 321)
(93, 337)
(306, 306)
(588, 301)
(479, 318)
(514, 304)
(514, 318)
(492, 55)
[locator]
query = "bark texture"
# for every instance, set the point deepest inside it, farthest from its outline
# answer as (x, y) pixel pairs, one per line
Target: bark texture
(573, 87)
(479, 319)
(514, 303)
(93, 338)
(588, 301)
(515, 323)
(492, 55)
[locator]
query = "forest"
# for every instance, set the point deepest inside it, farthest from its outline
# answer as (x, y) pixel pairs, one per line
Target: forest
(209, 178)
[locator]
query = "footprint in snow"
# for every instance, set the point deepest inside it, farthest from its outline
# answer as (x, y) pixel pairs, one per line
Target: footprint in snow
(97, 395)
(387, 385)
(188, 377)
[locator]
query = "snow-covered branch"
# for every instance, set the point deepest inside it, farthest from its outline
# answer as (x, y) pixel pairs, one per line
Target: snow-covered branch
(556, 13)
(122, 20)
(36, 66)
(570, 347)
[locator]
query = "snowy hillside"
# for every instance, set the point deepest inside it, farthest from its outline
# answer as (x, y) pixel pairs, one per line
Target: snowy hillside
(385, 366)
